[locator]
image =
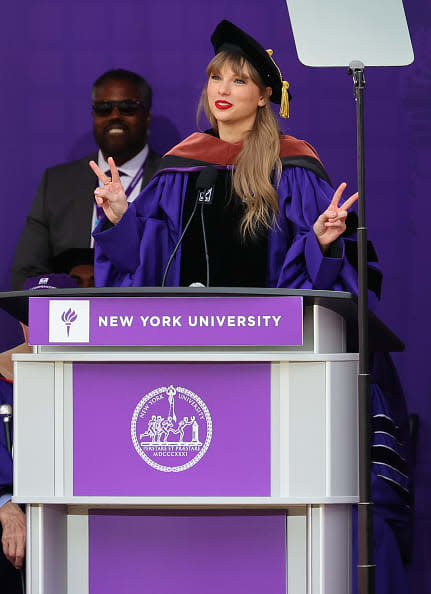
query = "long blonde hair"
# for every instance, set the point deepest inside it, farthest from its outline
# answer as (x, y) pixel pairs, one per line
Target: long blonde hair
(259, 158)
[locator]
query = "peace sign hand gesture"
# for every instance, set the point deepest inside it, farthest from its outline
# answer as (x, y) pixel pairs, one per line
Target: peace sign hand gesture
(112, 197)
(332, 222)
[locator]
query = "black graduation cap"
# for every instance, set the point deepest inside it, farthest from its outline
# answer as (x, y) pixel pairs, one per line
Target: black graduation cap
(65, 261)
(228, 37)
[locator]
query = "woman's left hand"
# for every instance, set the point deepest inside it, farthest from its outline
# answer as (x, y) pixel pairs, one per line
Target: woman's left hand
(332, 223)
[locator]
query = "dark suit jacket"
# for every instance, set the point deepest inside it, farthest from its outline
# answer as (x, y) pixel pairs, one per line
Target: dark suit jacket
(60, 216)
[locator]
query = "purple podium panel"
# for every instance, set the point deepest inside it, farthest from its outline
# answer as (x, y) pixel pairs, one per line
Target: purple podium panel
(211, 553)
(171, 429)
(167, 321)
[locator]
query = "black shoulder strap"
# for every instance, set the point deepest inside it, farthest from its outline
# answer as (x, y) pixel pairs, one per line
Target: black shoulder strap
(309, 163)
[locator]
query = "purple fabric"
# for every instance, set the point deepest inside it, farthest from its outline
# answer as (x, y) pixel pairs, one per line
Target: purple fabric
(148, 233)
(135, 252)
(391, 489)
(187, 553)
(237, 461)
(391, 576)
(395, 442)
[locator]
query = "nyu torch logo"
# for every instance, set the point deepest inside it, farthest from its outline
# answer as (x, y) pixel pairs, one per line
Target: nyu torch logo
(69, 321)
(68, 317)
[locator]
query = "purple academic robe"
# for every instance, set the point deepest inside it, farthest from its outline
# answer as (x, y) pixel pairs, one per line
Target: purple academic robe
(390, 480)
(135, 252)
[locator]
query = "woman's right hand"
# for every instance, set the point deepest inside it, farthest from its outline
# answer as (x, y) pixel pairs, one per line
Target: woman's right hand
(112, 197)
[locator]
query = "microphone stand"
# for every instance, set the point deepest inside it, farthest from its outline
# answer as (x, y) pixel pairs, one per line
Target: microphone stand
(204, 237)
(172, 256)
(366, 567)
(6, 415)
(205, 185)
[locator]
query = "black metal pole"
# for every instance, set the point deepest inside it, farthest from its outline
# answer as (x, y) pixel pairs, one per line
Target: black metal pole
(366, 567)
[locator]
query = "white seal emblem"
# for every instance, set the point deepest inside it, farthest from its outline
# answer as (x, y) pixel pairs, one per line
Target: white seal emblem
(171, 429)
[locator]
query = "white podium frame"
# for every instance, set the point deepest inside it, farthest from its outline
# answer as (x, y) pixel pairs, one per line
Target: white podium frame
(314, 471)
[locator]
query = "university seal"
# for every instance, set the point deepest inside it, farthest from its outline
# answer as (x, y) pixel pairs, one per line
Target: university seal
(171, 429)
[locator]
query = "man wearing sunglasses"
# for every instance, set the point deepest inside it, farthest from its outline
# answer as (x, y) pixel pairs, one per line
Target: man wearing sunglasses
(63, 213)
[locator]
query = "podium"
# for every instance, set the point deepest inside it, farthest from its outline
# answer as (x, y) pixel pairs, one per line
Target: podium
(187, 440)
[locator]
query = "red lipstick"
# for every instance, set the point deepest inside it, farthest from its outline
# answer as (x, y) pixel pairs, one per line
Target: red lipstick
(223, 104)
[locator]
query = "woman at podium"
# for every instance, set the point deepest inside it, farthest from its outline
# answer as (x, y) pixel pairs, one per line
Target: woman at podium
(263, 215)
(266, 216)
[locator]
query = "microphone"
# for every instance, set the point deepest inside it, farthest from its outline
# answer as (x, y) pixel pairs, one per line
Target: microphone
(205, 189)
(205, 185)
(6, 415)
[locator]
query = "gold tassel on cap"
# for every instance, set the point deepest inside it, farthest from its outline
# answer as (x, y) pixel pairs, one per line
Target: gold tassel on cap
(284, 107)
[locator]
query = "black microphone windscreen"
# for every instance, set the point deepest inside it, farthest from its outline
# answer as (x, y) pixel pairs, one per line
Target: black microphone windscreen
(206, 178)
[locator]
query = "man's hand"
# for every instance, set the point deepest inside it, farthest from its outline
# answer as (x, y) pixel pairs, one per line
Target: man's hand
(332, 223)
(12, 520)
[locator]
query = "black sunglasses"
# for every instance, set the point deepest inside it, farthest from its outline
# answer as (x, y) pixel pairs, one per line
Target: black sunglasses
(125, 107)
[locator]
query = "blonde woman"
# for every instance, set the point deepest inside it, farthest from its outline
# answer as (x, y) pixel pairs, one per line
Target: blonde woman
(274, 220)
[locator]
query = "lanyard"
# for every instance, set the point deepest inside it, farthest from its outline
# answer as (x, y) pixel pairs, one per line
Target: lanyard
(135, 180)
